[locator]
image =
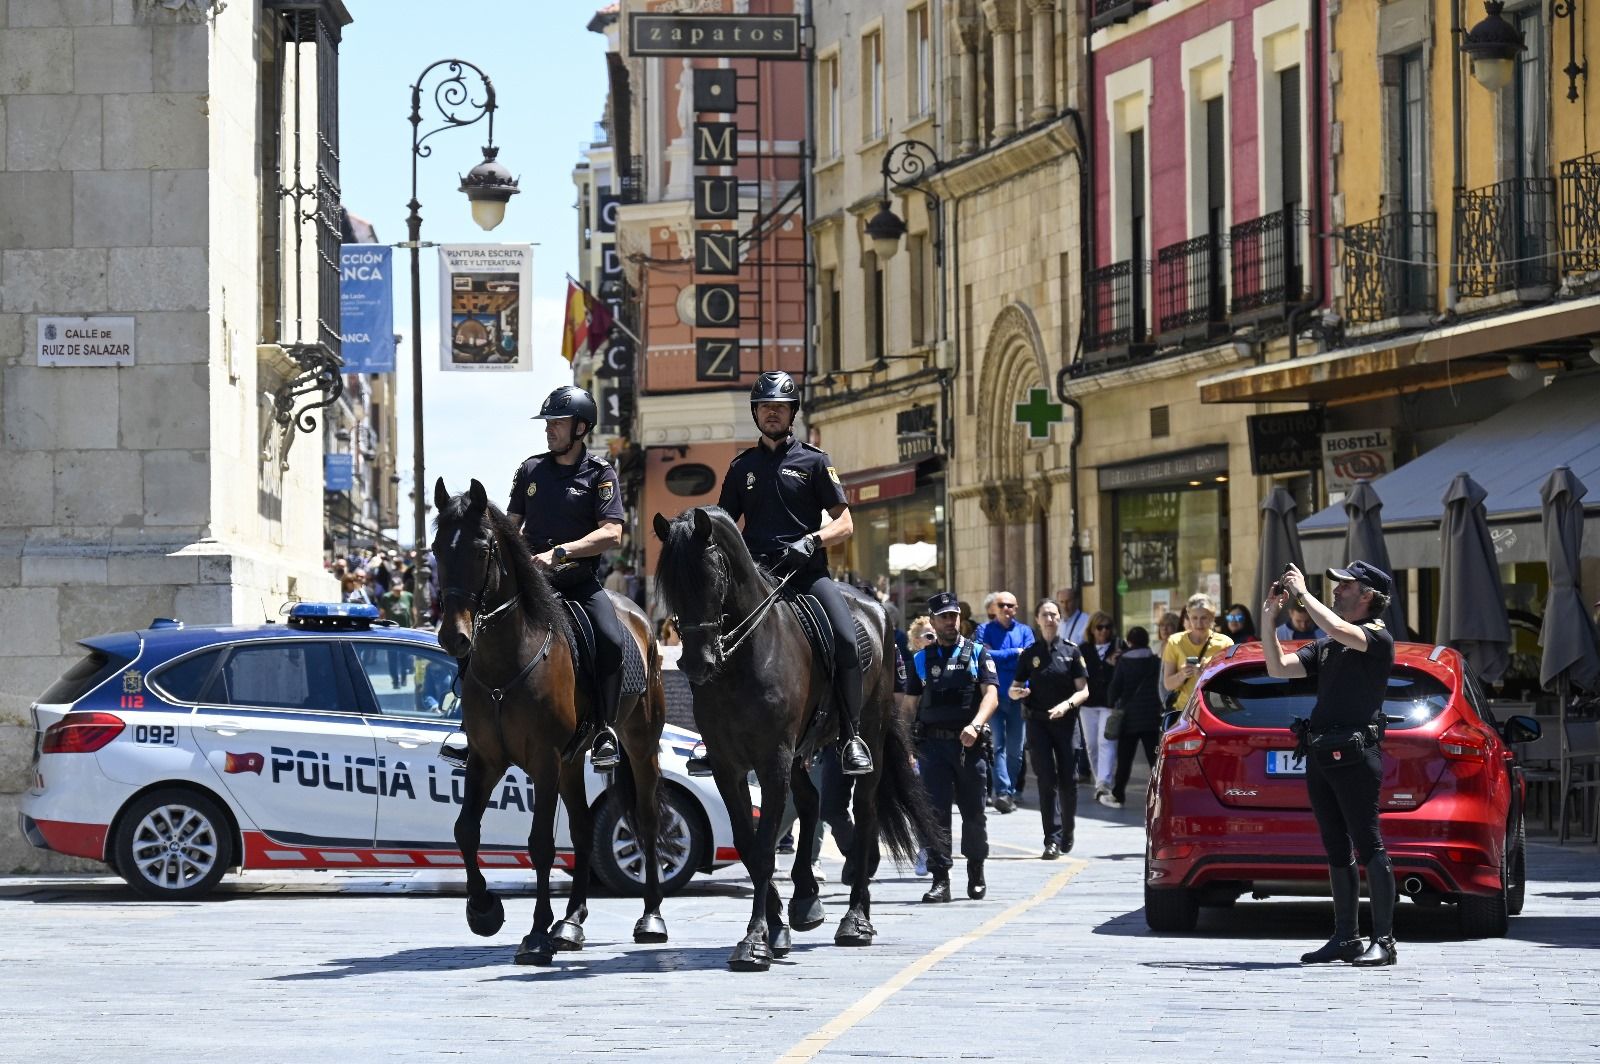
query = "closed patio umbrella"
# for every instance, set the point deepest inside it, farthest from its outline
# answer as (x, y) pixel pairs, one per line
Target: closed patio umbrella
(1280, 540)
(1363, 538)
(1472, 601)
(1567, 636)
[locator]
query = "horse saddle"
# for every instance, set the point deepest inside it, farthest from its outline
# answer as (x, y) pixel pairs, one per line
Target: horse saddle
(582, 640)
(819, 632)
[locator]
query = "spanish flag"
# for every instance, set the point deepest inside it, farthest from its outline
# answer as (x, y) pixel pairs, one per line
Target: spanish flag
(588, 324)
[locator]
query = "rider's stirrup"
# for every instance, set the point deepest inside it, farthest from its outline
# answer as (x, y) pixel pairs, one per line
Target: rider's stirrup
(603, 754)
(856, 758)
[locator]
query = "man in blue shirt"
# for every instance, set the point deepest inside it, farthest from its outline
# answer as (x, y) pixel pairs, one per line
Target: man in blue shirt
(1006, 637)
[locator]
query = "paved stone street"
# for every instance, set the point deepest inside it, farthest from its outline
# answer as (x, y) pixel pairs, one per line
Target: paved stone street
(1057, 964)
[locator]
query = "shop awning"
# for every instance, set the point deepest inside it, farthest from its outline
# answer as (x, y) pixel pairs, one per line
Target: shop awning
(1510, 454)
(880, 484)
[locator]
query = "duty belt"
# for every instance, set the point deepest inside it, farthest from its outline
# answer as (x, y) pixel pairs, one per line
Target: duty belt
(926, 732)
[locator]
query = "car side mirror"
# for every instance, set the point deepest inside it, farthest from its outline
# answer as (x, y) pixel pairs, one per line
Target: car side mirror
(1169, 718)
(1520, 729)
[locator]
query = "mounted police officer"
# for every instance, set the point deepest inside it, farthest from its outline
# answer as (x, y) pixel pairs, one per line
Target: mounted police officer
(957, 689)
(568, 504)
(781, 487)
(1342, 740)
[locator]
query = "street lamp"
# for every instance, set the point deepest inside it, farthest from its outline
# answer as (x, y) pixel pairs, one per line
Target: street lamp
(1493, 46)
(903, 166)
(488, 186)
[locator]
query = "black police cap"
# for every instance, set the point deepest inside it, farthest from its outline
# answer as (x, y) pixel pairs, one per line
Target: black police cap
(1365, 573)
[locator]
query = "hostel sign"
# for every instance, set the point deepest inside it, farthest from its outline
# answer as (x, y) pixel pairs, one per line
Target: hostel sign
(715, 36)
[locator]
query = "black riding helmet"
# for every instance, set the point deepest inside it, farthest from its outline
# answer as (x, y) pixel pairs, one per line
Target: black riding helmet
(773, 386)
(569, 401)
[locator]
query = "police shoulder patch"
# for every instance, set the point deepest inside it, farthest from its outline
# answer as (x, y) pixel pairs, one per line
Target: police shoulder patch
(1376, 624)
(606, 489)
(833, 474)
(532, 487)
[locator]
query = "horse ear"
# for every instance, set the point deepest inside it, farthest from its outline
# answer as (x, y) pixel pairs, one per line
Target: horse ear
(702, 523)
(441, 495)
(663, 527)
(480, 498)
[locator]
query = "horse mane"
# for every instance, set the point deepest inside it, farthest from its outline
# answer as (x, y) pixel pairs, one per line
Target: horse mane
(536, 596)
(682, 570)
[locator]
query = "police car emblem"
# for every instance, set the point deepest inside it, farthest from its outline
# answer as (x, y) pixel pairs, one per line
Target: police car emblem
(606, 489)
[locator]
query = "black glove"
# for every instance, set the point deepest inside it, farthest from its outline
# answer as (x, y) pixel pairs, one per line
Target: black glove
(798, 552)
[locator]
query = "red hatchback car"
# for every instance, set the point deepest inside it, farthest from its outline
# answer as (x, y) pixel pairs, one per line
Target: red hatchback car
(1227, 813)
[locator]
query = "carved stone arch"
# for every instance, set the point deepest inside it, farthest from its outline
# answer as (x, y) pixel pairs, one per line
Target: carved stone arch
(1013, 363)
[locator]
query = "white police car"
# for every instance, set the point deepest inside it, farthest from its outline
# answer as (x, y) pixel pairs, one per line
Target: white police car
(176, 753)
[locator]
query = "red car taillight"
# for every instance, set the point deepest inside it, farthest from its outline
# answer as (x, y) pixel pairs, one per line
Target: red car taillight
(1464, 743)
(1186, 740)
(81, 733)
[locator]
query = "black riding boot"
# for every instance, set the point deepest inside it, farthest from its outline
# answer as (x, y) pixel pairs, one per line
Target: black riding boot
(1380, 888)
(603, 754)
(976, 887)
(940, 891)
(853, 753)
(1344, 945)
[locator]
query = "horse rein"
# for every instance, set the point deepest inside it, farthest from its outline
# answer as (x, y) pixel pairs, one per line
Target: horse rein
(725, 646)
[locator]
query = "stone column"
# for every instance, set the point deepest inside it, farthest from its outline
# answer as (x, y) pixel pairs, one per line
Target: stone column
(1002, 19)
(1044, 59)
(967, 34)
(993, 503)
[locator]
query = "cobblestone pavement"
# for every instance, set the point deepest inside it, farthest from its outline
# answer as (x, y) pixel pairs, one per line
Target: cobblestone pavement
(1056, 965)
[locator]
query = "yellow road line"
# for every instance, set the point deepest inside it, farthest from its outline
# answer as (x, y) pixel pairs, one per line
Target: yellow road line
(818, 1040)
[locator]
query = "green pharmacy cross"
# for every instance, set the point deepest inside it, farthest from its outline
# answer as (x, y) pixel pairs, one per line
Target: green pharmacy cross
(1038, 413)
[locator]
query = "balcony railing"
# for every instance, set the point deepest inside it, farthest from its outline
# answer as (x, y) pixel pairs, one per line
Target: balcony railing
(1269, 256)
(1390, 267)
(1116, 323)
(1506, 237)
(1106, 12)
(1190, 299)
(1580, 214)
(630, 181)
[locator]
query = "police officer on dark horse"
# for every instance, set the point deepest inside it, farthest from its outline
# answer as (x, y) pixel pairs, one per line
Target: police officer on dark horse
(568, 505)
(781, 487)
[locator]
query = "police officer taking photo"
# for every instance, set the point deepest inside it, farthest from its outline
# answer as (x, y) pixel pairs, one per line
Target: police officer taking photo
(781, 488)
(1341, 743)
(957, 690)
(568, 504)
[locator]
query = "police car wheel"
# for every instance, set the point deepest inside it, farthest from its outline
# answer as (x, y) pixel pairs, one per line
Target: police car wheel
(172, 845)
(618, 858)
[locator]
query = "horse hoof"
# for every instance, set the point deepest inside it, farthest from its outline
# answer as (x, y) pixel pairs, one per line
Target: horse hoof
(854, 930)
(487, 920)
(536, 949)
(650, 928)
(806, 914)
(778, 941)
(567, 935)
(751, 956)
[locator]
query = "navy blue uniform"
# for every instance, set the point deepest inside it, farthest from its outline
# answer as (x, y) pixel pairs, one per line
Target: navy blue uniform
(949, 683)
(554, 503)
(1051, 672)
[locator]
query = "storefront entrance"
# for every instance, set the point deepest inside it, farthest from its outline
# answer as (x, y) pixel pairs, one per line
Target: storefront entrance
(898, 544)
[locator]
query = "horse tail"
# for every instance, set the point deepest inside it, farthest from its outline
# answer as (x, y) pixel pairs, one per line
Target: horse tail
(906, 822)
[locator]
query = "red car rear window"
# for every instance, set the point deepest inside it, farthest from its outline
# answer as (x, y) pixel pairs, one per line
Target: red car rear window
(1247, 697)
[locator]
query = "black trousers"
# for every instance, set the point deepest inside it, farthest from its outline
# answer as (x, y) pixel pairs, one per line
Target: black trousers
(608, 637)
(950, 777)
(1345, 802)
(1050, 750)
(1128, 744)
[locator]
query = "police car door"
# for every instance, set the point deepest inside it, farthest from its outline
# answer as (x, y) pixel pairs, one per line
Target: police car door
(277, 723)
(413, 707)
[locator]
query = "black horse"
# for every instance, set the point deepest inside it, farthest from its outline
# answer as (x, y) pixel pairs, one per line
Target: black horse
(520, 704)
(757, 692)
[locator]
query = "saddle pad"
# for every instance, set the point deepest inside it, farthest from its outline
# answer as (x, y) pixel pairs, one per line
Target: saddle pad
(581, 631)
(814, 622)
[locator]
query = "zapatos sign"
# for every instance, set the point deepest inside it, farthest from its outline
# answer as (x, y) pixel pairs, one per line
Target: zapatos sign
(766, 36)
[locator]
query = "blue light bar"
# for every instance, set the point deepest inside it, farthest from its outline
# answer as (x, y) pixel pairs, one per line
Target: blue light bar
(333, 615)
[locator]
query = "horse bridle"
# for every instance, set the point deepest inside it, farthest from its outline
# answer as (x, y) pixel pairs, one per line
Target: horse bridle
(474, 599)
(724, 646)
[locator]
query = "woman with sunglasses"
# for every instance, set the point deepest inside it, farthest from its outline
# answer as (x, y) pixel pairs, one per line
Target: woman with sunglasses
(1239, 625)
(1100, 652)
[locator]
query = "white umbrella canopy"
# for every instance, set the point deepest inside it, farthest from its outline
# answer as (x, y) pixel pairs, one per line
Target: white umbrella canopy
(1472, 600)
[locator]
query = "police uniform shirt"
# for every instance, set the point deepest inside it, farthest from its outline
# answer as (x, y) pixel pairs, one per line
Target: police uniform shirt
(781, 492)
(1051, 671)
(937, 658)
(1350, 683)
(554, 503)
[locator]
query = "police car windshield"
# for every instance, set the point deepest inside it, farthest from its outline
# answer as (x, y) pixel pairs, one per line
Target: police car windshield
(1249, 698)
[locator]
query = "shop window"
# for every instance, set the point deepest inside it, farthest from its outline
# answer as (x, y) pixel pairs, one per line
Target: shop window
(1169, 545)
(1160, 422)
(691, 480)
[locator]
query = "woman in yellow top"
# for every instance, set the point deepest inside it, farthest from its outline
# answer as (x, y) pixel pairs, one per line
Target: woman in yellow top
(1187, 652)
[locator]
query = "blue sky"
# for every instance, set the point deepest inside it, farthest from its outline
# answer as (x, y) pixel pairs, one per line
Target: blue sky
(549, 77)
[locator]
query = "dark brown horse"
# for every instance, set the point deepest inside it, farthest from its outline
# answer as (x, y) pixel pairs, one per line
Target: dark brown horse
(520, 706)
(757, 687)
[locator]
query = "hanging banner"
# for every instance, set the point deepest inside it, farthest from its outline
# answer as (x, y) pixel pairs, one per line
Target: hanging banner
(338, 472)
(486, 300)
(366, 308)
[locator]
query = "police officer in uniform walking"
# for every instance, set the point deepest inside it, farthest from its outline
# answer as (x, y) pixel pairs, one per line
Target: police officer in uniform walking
(568, 504)
(957, 689)
(781, 487)
(1342, 744)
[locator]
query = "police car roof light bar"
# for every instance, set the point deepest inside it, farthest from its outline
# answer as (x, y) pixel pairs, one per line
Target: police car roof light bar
(333, 615)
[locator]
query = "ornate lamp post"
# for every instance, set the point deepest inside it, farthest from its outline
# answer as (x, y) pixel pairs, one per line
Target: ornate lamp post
(904, 165)
(488, 186)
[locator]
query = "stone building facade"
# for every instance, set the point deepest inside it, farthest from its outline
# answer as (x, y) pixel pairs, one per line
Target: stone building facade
(138, 180)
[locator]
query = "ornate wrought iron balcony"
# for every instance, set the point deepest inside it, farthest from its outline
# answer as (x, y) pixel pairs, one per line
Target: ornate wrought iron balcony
(1106, 12)
(1580, 214)
(1191, 302)
(1506, 237)
(1116, 324)
(1390, 267)
(1269, 258)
